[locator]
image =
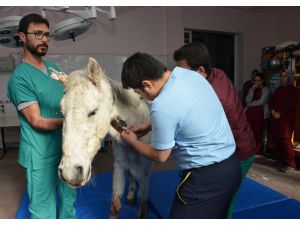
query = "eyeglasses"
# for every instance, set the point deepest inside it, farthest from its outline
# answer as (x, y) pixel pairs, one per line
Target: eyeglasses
(40, 34)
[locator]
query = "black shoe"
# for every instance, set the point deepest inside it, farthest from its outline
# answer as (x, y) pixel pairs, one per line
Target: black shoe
(278, 164)
(285, 169)
(267, 153)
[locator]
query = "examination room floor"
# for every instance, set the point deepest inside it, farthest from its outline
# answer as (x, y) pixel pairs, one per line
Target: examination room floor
(12, 178)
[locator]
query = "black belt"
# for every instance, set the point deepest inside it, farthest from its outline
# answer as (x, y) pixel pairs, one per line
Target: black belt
(186, 171)
(183, 173)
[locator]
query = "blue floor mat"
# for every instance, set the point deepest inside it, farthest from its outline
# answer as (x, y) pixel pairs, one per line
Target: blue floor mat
(285, 209)
(93, 201)
(254, 200)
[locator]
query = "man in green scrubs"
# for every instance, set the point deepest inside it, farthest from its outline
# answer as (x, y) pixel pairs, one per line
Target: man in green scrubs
(37, 97)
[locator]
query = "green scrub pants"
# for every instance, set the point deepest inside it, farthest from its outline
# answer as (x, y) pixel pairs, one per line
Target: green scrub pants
(245, 166)
(42, 187)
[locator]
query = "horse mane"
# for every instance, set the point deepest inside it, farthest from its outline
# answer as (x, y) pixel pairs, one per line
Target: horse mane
(125, 96)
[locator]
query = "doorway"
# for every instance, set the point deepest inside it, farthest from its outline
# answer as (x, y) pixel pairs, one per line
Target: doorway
(220, 46)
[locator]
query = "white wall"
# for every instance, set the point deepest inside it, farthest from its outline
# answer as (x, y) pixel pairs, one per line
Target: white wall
(159, 31)
(111, 64)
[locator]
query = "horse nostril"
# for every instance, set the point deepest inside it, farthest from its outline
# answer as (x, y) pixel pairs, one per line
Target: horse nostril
(59, 171)
(60, 175)
(79, 170)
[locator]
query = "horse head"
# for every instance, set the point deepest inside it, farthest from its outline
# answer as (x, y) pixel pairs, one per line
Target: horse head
(86, 105)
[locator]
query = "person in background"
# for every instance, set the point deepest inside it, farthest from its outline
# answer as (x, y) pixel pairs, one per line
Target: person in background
(195, 56)
(194, 128)
(282, 108)
(247, 85)
(37, 98)
(257, 109)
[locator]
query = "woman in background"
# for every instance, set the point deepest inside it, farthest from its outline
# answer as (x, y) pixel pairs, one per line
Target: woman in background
(257, 109)
(282, 107)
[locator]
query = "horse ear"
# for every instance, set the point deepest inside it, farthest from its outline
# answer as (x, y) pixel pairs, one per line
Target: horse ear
(95, 72)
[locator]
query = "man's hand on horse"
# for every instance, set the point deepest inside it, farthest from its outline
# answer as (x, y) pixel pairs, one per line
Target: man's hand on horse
(128, 136)
(141, 129)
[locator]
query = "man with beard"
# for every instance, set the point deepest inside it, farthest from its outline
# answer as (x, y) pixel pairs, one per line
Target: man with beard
(37, 97)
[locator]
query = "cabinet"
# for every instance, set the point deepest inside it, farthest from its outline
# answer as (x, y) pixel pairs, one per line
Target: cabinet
(272, 65)
(297, 65)
(296, 138)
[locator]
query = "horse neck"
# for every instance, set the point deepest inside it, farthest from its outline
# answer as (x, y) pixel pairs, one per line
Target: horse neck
(124, 100)
(108, 93)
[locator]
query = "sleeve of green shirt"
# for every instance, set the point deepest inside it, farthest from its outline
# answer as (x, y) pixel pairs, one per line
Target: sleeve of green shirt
(20, 89)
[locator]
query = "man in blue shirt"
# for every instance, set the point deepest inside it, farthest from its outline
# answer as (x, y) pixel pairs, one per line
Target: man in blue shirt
(187, 120)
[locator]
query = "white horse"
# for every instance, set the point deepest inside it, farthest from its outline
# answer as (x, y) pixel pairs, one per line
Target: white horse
(91, 101)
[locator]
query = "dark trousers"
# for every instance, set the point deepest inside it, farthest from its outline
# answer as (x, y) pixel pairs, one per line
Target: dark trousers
(285, 151)
(206, 192)
(255, 118)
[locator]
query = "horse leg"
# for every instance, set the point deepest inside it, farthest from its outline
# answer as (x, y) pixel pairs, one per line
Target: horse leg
(118, 189)
(143, 196)
(131, 190)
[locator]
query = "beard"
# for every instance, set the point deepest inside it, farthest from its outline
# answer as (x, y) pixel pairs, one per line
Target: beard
(35, 49)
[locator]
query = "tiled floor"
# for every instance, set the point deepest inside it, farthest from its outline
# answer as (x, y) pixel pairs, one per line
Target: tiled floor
(12, 178)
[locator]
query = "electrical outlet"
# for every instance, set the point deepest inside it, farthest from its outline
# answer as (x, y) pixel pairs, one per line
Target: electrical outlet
(2, 107)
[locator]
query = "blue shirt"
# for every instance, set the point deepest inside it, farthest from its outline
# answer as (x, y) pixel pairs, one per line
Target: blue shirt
(187, 116)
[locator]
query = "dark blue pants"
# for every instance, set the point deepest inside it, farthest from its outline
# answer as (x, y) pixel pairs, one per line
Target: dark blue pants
(206, 192)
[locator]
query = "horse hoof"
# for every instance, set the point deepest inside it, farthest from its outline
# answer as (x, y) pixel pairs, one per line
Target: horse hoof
(115, 206)
(143, 211)
(113, 216)
(144, 216)
(130, 201)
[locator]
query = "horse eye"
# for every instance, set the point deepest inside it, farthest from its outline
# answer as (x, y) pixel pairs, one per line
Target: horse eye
(92, 113)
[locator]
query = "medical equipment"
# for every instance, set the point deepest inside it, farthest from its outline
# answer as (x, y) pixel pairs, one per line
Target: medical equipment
(66, 29)
(9, 35)
(70, 28)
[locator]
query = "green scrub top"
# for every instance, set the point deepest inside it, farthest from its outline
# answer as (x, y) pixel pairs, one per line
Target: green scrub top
(38, 149)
